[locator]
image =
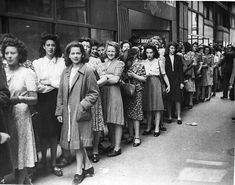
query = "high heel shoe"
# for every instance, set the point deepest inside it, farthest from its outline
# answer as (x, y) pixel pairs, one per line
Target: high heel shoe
(115, 153)
(156, 134)
(136, 144)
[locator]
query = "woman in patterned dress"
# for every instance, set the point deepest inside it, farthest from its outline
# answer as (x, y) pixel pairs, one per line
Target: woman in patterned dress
(22, 86)
(153, 100)
(97, 113)
(135, 73)
(112, 98)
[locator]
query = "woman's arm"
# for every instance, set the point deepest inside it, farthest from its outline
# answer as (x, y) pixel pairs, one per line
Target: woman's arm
(231, 81)
(167, 82)
(138, 77)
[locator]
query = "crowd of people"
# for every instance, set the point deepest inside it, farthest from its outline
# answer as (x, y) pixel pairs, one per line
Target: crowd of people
(72, 97)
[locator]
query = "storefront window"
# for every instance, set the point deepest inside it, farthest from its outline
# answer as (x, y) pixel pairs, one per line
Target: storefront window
(189, 22)
(70, 33)
(102, 35)
(194, 23)
(42, 8)
(29, 32)
(72, 10)
(200, 25)
(201, 6)
(195, 5)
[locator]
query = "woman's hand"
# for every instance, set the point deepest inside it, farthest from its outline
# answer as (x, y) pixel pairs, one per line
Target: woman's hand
(168, 89)
(45, 82)
(181, 86)
(4, 137)
(230, 86)
(60, 119)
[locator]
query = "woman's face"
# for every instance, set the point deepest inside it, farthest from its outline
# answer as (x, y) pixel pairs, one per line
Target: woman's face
(12, 56)
(111, 52)
(172, 50)
(125, 47)
(75, 55)
(101, 50)
(149, 53)
(50, 48)
(207, 51)
(93, 50)
(87, 47)
(195, 47)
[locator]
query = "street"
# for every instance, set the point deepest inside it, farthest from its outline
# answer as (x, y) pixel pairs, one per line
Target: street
(183, 155)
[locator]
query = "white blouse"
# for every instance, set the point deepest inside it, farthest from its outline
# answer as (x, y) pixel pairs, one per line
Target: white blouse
(152, 67)
(51, 70)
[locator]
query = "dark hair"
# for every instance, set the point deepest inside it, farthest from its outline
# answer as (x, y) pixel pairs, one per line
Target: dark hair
(187, 47)
(125, 42)
(72, 44)
(131, 53)
(5, 36)
(167, 52)
(116, 46)
(21, 48)
(101, 45)
(45, 37)
(86, 39)
(195, 43)
(210, 50)
(149, 46)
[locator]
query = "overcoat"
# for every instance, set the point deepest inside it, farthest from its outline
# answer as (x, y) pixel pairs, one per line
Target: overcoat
(5, 161)
(73, 104)
(175, 77)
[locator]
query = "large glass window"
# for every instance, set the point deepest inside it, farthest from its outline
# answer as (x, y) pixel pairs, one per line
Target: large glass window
(194, 23)
(195, 5)
(201, 6)
(200, 25)
(70, 33)
(29, 32)
(102, 35)
(72, 10)
(189, 22)
(42, 8)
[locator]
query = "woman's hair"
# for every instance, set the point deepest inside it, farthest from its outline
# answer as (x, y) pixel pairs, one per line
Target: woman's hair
(149, 46)
(131, 53)
(45, 37)
(72, 44)
(116, 46)
(210, 50)
(5, 36)
(167, 52)
(125, 42)
(21, 48)
(86, 39)
(187, 47)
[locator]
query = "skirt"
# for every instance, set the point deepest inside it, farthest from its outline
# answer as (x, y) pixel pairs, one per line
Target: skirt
(97, 116)
(152, 95)
(49, 126)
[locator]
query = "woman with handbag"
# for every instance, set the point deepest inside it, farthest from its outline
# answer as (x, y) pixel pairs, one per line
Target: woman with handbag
(174, 71)
(78, 91)
(134, 73)
(153, 100)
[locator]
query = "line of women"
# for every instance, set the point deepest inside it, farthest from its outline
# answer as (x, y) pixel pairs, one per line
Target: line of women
(73, 98)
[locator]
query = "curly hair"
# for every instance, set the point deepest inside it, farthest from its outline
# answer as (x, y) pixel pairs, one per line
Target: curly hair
(210, 50)
(150, 46)
(45, 37)
(168, 48)
(70, 45)
(116, 46)
(187, 47)
(125, 42)
(21, 48)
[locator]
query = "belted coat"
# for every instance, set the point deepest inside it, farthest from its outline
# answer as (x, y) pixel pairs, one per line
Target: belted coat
(73, 104)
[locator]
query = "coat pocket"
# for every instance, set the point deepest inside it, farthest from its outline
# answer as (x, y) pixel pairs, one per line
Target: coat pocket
(83, 115)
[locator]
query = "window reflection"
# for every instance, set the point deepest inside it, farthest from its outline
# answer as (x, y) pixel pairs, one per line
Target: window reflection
(31, 7)
(72, 10)
(102, 35)
(29, 32)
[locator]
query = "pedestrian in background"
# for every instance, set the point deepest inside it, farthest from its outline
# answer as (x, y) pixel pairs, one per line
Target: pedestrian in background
(78, 91)
(152, 94)
(48, 69)
(22, 86)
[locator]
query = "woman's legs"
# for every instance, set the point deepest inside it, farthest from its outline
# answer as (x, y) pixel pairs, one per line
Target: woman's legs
(79, 158)
(209, 92)
(203, 93)
(190, 94)
(53, 146)
(111, 134)
(118, 137)
(137, 128)
(44, 144)
(149, 121)
(96, 141)
(169, 109)
(86, 162)
(130, 128)
(157, 120)
(178, 109)
(21, 175)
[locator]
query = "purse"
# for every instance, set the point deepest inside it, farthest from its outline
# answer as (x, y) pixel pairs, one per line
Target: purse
(128, 88)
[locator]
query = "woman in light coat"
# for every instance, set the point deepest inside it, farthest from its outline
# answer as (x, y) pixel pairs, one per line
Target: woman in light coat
(78, 91)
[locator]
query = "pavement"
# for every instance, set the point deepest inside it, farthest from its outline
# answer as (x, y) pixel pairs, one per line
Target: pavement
(183, 155)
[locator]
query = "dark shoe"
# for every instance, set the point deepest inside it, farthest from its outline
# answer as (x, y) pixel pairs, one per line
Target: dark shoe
(135, 144)
(179, 122)
(78, 179)
(109, 149)
(57, 171)
(162, 128)
(223, 97)
(89, 171)
(129, 140)
(169, 121)
(62, 162)
(156, 134)
(95, 158)
(115, 153)
(145, 133)
(213, 94)
(190, 106)
(233, 118)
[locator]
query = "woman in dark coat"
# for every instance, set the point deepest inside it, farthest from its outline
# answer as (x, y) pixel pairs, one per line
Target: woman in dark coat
(174, 71)
(5, 162)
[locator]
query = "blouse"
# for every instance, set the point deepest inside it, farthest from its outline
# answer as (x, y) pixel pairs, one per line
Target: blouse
(51, 70)
(152, 67)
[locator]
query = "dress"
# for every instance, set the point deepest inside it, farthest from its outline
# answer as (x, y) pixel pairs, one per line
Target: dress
(22, 140)
(152, 94)
(111, 95)
(207, 72)
(96, 110)
(134, 105)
